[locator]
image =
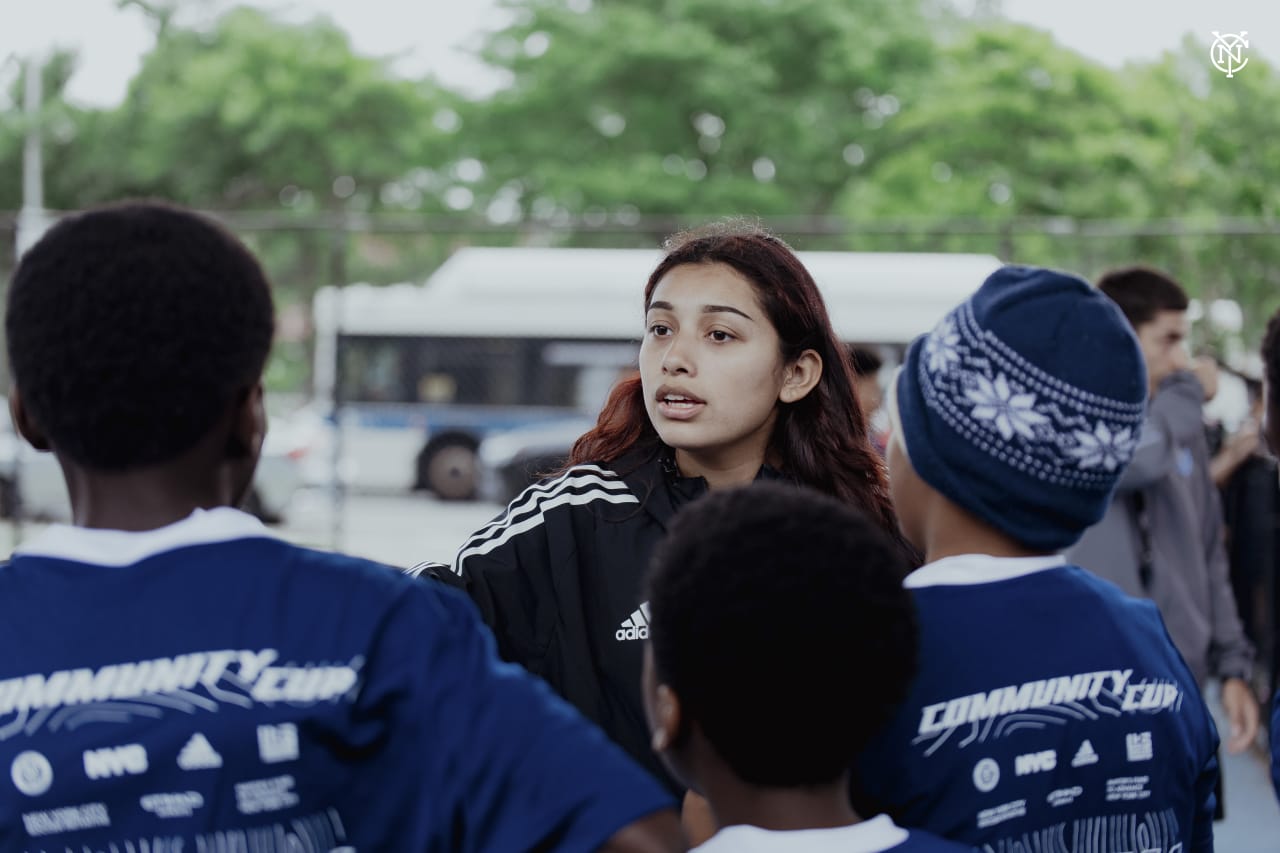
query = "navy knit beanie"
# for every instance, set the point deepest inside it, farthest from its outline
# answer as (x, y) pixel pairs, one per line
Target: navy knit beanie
(1024, 404)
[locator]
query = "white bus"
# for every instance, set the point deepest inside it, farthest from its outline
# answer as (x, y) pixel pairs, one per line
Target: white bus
(498, 338)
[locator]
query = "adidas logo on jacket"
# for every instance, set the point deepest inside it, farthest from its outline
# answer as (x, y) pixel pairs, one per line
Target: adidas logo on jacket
(635, 627)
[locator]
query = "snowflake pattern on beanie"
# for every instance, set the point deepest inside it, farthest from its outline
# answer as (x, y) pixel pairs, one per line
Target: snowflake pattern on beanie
(1019, 414)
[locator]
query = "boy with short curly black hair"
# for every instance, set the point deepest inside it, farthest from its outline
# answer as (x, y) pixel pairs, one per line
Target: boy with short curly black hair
(174, 677)
(753, 597)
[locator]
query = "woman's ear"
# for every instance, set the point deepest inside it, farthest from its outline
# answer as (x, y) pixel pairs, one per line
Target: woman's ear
(801, 376)
(22, 422)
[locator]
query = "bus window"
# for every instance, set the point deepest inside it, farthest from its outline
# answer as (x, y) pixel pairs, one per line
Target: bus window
(437, 388)
(371, 370)
(467, 371)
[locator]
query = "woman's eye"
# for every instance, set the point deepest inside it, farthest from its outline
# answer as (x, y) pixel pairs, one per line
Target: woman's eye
(659, 330)
(720, 336)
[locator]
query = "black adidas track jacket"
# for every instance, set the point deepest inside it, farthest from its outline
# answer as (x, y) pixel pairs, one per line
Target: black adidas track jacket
(558, 577)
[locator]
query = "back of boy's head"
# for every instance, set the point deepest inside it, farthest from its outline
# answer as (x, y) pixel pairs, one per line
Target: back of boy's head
(778, 617)
(131, 329)
(1142, 293)
(1024, 405)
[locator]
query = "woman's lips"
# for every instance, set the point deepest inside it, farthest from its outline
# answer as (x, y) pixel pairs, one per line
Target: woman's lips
(679, 408)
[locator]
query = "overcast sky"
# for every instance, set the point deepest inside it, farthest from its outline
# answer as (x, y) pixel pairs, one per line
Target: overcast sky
(433, 35)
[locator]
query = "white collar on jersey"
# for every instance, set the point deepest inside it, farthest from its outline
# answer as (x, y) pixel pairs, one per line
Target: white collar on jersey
(877, 834)
(970, 569)
(124, 548)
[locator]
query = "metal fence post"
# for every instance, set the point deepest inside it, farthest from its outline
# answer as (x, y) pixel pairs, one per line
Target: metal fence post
(338, 241)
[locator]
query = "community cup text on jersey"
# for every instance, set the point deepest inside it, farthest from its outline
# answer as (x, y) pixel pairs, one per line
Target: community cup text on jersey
(236, 677)
(1146, 696)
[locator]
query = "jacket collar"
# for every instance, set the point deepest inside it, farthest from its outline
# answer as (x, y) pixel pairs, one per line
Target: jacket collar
(654, 479)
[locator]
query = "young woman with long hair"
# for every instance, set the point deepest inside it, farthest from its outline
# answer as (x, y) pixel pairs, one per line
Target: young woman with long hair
(741, 378)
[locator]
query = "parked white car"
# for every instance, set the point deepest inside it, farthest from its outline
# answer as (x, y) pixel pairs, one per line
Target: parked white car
(33, 480)
(512, 459)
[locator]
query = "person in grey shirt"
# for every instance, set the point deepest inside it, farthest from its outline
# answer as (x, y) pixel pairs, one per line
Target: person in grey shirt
(1162, 537)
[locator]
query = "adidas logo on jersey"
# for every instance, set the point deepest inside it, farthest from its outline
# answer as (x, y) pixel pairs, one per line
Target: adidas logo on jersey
(199, 754)
(1085, 756)
(635, 626)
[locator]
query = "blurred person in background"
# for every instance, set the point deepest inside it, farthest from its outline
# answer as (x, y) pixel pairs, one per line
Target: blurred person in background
(742, 378)
(1245, 473)
(1271, 429)
(1162, 537)
(866, 371)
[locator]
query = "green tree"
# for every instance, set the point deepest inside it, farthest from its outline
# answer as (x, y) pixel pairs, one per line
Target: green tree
(1013, 125)
(1237, 129)
(282, 122)
(257, 113)
(693, 107)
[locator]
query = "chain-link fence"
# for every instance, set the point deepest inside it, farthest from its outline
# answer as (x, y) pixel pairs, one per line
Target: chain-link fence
(368, 397)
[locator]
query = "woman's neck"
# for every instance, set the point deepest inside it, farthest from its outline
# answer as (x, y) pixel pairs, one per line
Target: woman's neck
(719, 474)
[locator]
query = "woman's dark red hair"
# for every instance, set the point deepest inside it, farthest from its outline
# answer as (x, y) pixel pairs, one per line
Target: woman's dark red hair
(820, 440)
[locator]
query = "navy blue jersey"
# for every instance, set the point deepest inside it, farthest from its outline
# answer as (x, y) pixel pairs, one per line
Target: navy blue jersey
(207, 687)
(1051, 712)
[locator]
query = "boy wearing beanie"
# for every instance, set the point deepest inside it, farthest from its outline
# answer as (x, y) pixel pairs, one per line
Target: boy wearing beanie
(1051, 711)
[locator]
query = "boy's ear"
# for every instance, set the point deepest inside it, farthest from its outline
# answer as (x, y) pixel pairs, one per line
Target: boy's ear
(23, 423)
(668, 719)
(248, 424)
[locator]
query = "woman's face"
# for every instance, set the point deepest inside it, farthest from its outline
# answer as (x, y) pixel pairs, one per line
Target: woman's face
(710, 366)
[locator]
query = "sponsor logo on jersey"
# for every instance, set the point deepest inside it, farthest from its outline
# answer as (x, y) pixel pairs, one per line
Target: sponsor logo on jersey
(1085, 755)
(986, 775)
(1064, 796)
(177, 804)
(1138, 746)
(1001, 813)
(1035, 762)
(266, 795)
(199, 754)
(115, 761)
(278, 743)
(31, 772)
(67, 819)
(1125, 788)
